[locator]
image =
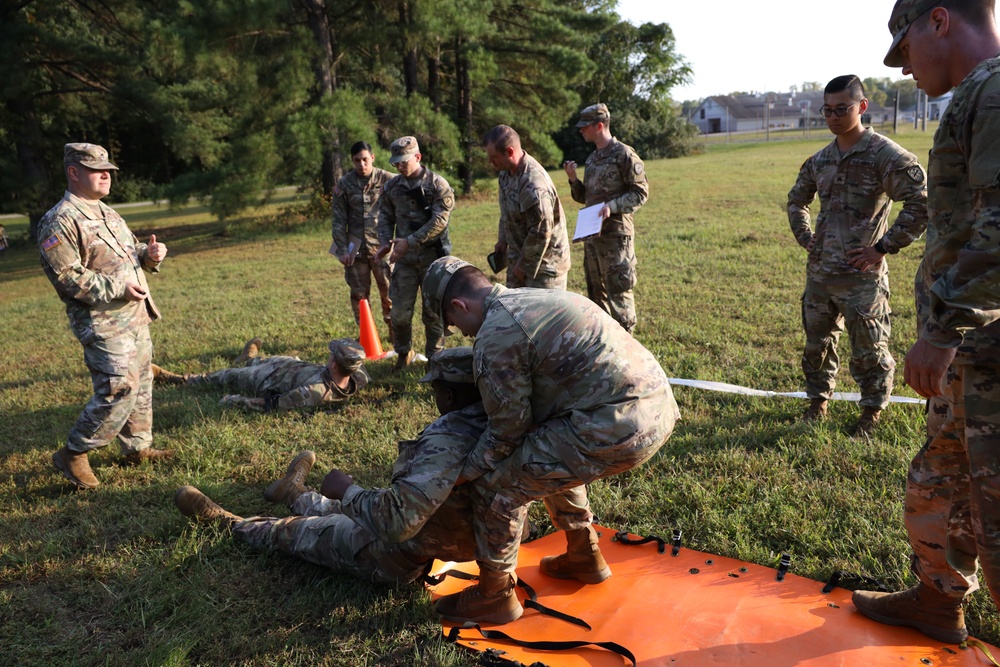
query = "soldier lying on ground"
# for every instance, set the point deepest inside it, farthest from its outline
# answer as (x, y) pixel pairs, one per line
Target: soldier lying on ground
(383, 535)
(283, 383)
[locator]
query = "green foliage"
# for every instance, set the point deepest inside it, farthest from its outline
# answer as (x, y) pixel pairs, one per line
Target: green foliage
(186, 95)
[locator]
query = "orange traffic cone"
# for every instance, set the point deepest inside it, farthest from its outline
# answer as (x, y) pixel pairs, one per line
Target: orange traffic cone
(369, 334)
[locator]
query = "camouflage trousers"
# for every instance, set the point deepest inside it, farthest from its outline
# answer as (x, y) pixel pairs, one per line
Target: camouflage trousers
(538, 470)
(953, 487)
(862, 305)
(122, 404)
(251, 380)
(326, 537)
(407, 277)
(609, 264)
(359, 279)
(539, 281)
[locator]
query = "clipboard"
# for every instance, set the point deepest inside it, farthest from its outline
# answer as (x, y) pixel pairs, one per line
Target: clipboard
(497, 261)
(588, 222)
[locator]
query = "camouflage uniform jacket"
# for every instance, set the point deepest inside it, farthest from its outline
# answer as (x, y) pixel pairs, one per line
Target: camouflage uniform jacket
(543, 355)
(356, 210)
(532, 221)
(422, 478)
(856, 192)
(89, 259)
(418, 214)
(301, 384)
(614, 176)
(958, 283)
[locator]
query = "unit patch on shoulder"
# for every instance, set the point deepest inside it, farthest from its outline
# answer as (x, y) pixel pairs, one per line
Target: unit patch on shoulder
(50, 243)
(637, 168)
(915, 173)
(337, 191)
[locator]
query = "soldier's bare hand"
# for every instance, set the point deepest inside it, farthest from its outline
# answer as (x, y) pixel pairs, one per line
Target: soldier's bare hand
(864, 258)
(811, 244)
(570, 168)
(519, 273)
(135, 292)
(335, 484)
(925, 367)
(156, 251)
(383, 250)
(500, 248)
(399, 249)
(605, 212)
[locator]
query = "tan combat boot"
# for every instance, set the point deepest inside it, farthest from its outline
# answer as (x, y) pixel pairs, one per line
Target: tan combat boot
(404, 360)
(935, 614)
(867, 422)
(195, 504)
(582, 561)
(148, 454)
(492, 600)
(287, 489)
(250, 351)
(163, 376)
(816, 410)
(75, 467)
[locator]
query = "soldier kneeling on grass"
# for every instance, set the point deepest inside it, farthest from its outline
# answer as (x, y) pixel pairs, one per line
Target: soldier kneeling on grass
(282, 382)
(386, 535)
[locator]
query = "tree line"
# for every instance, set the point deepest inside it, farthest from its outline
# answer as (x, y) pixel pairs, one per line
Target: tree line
(224, 99)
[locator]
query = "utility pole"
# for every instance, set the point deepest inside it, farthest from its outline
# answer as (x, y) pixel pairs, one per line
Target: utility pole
(895, 115)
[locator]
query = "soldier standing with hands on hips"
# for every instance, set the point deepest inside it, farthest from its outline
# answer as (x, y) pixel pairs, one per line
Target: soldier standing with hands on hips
(97, 266)
(616, 178)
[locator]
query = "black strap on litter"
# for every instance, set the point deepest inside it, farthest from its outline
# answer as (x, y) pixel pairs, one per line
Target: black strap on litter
(852, 581)
(531, 602)
(453, 635)
(786, 562)
(493, 657)
(676, 540)
(622, 536)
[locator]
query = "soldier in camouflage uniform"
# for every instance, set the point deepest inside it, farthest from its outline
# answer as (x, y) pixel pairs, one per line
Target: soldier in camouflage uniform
(858, 176)
(532, 234)
(413, 226)
(284, 383)
(614, 177)
(571, 397)
(355, 220)
(97, 266)
(953, 487)
(386, 535)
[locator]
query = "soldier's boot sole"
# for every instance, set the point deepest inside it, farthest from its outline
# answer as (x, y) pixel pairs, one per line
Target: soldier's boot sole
(75, 467)
(250, 351)
(942, 621)
(287, 489)
(193, 503)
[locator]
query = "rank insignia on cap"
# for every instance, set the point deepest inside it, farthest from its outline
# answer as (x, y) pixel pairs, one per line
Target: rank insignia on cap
(915, 173)
(50, 243)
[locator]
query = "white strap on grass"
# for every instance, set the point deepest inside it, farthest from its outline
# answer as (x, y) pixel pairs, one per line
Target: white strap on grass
(746, 391)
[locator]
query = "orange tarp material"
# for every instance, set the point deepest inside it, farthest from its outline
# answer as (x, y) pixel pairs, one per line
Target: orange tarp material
(697, 609)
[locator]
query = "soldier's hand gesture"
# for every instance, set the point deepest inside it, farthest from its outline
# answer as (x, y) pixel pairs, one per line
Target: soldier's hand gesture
(156, 251)
(570, 168)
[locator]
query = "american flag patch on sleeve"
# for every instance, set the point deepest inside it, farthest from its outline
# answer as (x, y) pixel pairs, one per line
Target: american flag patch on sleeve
(50, 243)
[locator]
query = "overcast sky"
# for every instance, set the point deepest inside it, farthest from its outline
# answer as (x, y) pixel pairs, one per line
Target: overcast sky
(770, 44)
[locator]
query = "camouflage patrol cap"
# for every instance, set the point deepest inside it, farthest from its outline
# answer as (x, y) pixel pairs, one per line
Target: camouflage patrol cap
(403, 149)
(348, 353)
(595, 113)
(91, 156)
(436, 281)
(453, 364)
(904, 13)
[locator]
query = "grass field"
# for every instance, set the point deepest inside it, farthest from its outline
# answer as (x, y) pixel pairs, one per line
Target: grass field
(117, 576)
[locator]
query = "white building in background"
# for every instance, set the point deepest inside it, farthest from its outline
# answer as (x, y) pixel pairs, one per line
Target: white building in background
(766, 111)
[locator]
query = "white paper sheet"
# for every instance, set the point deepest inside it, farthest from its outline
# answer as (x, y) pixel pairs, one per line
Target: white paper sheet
(588, 222)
